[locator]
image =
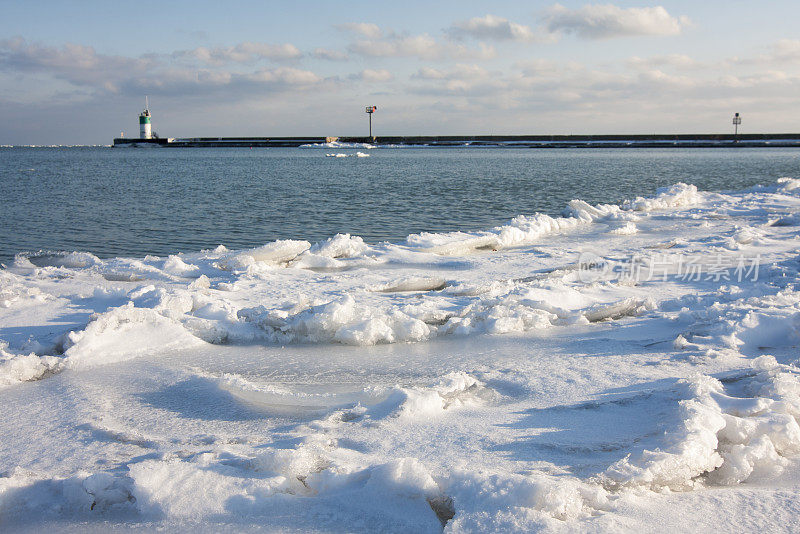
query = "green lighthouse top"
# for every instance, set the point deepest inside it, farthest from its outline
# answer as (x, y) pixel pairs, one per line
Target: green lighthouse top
(144, 117)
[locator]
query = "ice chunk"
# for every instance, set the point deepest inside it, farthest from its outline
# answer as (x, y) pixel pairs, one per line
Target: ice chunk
(720, 438)
(629, 228)
(631, 306)
(275, 253)
(674, 196)
(15, 368)
(413, 283)
(174, 265)
(123, 333)
(340, 246)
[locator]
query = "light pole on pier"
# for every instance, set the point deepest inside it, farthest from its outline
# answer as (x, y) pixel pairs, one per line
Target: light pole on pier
(370, 111)
(737, 120)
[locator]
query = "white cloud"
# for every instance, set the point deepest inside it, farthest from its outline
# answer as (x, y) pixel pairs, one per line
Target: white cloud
(779, 53)
(183, 82)
(597, 21)
(79, 65)
(538, 67)
(494, 28)
(283, 76)
(766, 79)
(329, 55)
(373, 76)
(242, 53)
(461, 79)
(661, 80)
(786, 50)
(82, 67)
(270, 51)
(364, 29)
(459, 72)
(17, 52)
(612, 95)
(429, 73)
(421, 46)
(677, 61)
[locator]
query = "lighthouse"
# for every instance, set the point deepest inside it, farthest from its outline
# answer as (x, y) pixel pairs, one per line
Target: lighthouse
(145, 128)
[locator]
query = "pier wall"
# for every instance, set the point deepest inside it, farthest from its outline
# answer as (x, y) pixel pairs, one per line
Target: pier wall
(509, 141)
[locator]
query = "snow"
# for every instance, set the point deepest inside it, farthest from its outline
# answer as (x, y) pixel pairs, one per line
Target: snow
(358, 154)
(619, 368)
(730, 439)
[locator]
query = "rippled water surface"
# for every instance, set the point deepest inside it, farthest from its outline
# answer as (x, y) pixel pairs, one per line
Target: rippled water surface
(133, 202)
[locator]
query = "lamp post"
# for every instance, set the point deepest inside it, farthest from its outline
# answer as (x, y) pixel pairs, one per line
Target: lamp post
(370, 111)
(737, 120)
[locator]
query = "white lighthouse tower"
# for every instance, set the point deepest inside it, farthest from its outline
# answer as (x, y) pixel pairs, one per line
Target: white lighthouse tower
(145, 128)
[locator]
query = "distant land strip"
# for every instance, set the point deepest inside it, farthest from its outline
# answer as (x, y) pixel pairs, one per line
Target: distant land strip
(506, 141)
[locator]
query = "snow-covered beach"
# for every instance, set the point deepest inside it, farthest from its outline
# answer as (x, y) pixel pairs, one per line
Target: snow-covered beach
(618, 368)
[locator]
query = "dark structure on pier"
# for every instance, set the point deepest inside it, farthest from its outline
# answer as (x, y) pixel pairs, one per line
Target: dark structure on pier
(507, 141)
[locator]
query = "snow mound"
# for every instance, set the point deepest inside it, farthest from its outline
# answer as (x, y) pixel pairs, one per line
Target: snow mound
(393, 496)
(454, 390)
(527, 229)
(631, 306)
(504, 309)
(25, 493)
(341, 321)
(13, 291)
(675, 196)
(170, 487)
(340, 246)
(520, 503)
(729, 432)
(275, 253)
(502, 315)
(15, 368)
(123, 333)
(520, 231)
(758, 330)
(788, 185)
(347, 322)
(629, 228)
(293, 398)
(791, 219)
(343, 155)
(175, 266)
(70, 260)
(748, 325)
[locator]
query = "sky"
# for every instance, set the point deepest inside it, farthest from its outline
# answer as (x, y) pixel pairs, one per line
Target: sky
(78, 72)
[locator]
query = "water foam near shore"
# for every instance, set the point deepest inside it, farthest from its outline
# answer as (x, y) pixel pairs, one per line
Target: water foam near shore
(582, 371)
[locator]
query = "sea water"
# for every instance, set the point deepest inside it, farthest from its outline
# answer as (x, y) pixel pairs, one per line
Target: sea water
(133, 202)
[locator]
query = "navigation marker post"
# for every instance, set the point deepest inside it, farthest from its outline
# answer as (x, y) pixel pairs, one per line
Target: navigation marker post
(737, 120)
(370, 111)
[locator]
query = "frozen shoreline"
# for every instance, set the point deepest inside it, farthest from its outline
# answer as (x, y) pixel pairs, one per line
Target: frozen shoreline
(592, 371)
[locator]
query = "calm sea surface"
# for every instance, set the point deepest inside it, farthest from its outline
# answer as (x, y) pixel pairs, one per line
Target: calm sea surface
(133, 202)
